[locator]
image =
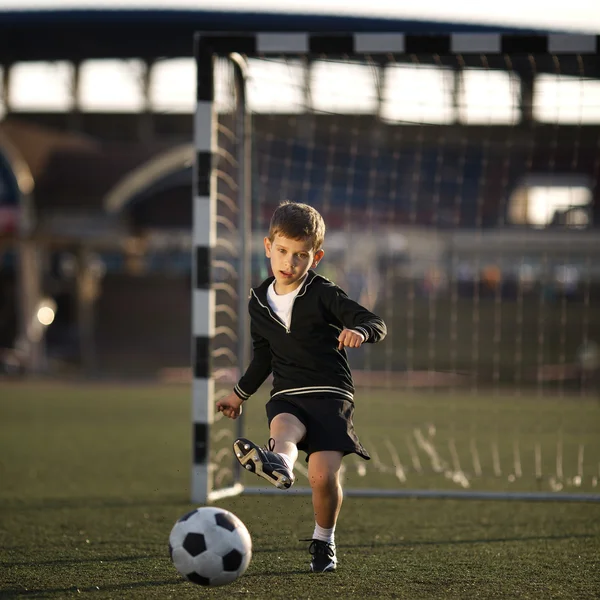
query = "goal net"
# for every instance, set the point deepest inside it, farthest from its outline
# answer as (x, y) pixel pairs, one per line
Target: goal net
(460, 192)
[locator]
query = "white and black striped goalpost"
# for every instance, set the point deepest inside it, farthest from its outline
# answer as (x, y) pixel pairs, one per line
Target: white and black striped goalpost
(203, 296)
(204, 236)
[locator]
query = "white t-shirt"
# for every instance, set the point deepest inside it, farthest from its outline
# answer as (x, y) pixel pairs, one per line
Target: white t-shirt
(282, 304)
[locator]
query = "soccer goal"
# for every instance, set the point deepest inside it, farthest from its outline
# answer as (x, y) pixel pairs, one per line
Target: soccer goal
(458, 178)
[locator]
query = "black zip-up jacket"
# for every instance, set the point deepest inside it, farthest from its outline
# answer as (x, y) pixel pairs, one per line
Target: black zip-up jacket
(305, 358)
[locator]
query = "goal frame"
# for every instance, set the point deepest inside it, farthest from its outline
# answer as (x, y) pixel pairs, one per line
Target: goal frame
(235, 45)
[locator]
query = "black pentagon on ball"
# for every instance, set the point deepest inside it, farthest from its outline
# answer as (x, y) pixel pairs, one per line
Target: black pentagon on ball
(195, 578)
(187, 515)
(224, 520)
(170, 551)
(194, 544)
(232, 560)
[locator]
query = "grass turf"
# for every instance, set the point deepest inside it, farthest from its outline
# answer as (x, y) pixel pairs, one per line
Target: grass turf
(93, 478)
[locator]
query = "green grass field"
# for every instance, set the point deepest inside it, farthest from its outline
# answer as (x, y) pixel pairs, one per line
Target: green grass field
(92, 479)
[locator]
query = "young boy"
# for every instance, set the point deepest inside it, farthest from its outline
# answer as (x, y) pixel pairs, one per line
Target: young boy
(301, 324)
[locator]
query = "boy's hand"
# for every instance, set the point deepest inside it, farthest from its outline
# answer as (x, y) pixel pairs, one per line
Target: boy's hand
(350, 338)
(230, 406)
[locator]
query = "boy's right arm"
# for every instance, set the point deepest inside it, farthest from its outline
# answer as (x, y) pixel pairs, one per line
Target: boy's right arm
(257, 372)
(259, 368)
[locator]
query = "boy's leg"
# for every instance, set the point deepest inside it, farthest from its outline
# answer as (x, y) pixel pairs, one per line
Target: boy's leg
(324, 476)
(275, 463)
(286, 432)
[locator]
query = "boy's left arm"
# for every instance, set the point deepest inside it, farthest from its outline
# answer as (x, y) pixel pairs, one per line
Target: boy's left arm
(356, 317)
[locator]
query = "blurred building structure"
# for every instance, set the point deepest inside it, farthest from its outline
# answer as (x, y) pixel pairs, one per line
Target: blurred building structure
(98, 204)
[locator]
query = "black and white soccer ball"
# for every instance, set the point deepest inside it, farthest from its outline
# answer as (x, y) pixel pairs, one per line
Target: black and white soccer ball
(210, 546)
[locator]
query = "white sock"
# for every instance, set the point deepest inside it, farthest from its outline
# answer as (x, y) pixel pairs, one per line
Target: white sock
(325, 535)
(289, 463)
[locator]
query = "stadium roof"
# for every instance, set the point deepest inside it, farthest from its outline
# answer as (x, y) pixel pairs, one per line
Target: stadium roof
(83, 30)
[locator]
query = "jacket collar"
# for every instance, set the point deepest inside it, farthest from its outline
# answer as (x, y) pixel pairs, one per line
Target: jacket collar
(261, 291)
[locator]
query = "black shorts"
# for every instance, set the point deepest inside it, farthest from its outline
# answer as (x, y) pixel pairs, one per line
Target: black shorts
(328, 420)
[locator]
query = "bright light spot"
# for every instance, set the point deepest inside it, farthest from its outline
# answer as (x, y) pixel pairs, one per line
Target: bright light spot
(45, 315)
(173, 86)
(540, 198)
(488, 97)
(41, 86)
(276, 86)
(417, 94)
(342, 87)
(544, 202)
(112, 85)
(563, 99)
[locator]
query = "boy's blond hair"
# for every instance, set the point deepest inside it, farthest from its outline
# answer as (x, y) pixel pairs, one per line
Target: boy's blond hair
(298, 221)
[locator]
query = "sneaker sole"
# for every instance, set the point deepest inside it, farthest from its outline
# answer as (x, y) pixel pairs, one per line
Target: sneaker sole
(329, 569)
(249, 458)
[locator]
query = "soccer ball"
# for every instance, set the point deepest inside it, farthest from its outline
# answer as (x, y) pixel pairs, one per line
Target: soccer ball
(210, 546)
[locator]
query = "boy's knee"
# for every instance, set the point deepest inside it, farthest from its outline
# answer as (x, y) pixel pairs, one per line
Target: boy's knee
(324, 479)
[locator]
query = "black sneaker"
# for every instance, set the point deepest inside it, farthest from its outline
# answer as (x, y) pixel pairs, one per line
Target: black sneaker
(323, 556)
(264, 462)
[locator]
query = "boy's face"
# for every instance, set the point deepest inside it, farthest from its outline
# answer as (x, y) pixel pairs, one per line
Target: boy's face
(290, 261)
